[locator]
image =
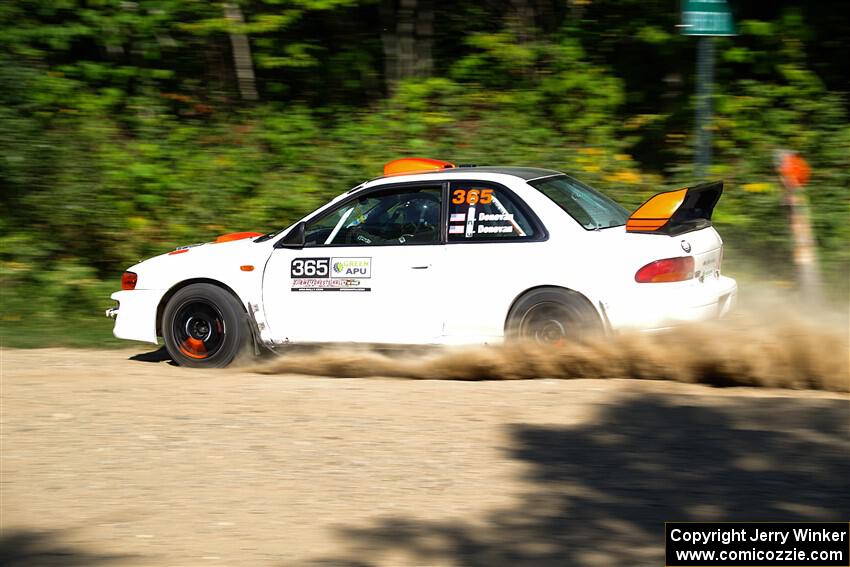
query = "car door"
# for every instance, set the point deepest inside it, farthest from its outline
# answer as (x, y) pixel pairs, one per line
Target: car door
(367, 272)
(493, 253)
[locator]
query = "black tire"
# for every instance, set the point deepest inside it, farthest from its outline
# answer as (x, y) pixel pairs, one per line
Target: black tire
(204, 326)
(551, 316)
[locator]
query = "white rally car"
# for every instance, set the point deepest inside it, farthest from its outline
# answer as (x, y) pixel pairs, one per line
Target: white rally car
(432, 253)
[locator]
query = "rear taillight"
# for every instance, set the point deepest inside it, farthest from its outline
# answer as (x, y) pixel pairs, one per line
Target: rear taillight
(667, 270)
(128, 280)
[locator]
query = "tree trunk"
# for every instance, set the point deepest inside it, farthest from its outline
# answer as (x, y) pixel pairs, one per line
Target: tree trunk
(407, 37)
(521, 19)
(242, 62)
(425, 38)
(389, 39)
(524, 15)
(218, 73)
(406, 33)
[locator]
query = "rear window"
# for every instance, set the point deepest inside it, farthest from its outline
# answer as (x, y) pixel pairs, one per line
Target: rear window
(484, 212)
(590, 208)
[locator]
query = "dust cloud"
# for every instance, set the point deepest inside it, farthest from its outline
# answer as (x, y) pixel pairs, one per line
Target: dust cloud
(764, 345)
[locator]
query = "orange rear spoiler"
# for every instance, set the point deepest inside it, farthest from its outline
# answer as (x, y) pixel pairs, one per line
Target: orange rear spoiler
(676, 212)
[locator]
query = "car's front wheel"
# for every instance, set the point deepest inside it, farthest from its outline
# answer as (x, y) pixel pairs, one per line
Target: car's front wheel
(552, 316)
(204, 326)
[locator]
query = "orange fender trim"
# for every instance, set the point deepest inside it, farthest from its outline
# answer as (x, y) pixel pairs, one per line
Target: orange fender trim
(237, 236)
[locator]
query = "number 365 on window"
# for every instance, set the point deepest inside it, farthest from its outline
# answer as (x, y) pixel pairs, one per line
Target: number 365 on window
(472, 196)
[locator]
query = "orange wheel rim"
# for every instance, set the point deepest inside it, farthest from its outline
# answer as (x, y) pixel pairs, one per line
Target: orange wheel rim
(194, 348)
(198, 329)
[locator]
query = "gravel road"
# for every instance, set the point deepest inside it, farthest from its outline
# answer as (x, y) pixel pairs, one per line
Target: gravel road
(107, 460)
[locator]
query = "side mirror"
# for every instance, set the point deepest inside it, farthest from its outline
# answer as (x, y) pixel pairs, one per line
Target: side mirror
(295, 238)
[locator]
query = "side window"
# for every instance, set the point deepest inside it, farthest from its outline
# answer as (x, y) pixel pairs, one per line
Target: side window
(480, 211)
(401, 216)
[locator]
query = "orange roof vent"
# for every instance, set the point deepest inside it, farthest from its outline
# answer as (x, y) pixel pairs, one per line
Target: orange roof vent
(415, 165)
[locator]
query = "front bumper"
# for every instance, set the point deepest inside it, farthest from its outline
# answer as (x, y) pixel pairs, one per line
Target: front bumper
(135, 315)
(659, 306)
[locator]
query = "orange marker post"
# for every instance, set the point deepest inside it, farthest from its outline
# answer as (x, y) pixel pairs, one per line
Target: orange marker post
(794, 173)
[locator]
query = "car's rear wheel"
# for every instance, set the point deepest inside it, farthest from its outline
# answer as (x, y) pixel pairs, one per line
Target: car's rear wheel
(204, 326)
(552, 316)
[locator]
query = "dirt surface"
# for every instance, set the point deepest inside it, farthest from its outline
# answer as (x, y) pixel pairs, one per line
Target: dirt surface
(115, 461)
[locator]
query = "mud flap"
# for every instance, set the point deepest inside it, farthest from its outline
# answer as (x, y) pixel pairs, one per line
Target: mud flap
(256, 341)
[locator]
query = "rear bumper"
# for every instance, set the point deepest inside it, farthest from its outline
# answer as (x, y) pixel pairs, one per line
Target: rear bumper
(658, 306)
(135, 315)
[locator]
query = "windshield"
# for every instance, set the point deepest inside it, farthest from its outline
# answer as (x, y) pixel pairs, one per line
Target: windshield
(274, 233)
(590, 208)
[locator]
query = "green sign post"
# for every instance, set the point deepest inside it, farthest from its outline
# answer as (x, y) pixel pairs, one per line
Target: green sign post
(705, 18)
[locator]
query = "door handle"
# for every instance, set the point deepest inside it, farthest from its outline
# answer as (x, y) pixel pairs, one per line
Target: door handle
(420, 267)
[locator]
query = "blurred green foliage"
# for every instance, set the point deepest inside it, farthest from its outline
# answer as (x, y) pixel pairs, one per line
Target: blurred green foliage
(123, 134)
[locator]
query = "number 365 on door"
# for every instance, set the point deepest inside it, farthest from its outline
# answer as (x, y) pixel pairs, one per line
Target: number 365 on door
(310, 268)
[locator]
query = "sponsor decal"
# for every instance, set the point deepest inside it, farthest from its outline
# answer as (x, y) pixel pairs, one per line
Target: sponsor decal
(330, 274)
(327, 284)
(351, 267)
(457, 217)
(456, 229)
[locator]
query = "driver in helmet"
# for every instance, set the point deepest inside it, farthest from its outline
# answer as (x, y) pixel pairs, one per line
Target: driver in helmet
(418, 220)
